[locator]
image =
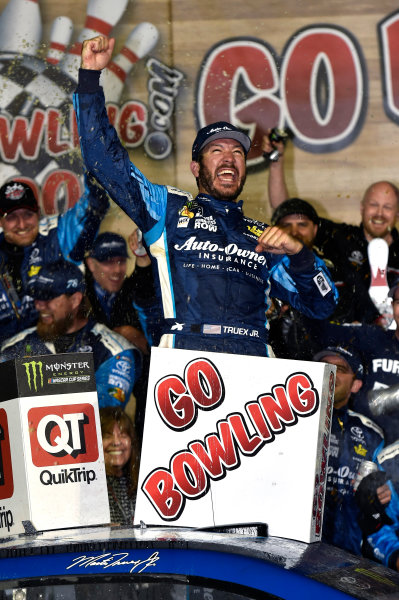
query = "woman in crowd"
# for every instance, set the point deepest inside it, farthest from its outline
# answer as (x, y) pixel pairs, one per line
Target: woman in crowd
(121, 458)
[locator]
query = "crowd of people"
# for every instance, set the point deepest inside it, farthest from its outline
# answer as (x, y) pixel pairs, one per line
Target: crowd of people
(209, 278)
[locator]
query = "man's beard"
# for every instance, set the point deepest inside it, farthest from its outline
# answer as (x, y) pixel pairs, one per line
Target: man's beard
(368, 226)
(205, 180)
(48, 332)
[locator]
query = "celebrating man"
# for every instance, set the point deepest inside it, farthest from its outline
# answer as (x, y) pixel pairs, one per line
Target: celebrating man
(215, 268)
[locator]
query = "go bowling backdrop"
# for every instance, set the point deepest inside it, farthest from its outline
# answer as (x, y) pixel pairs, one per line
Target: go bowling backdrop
(325, 71)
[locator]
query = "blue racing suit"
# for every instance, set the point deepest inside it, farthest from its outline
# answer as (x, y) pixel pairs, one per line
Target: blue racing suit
(67, 236)
(353, 438)
(382, 544)
(379, 350)
(117, 362)
(214, 288)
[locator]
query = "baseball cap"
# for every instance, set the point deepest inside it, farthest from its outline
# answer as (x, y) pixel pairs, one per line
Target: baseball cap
(217, 131)
(295, 206)
(108, 245)
(351, 356)
(15, 195)
(55, 279)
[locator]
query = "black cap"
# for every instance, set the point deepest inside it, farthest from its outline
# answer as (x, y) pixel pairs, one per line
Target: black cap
(348, 353)
(55, 279)
(15, 195)
(218, 131)
(108, 245)
(295, 206)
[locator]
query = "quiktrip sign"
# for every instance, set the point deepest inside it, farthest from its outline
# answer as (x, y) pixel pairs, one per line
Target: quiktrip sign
(233, 439)
(52, 470)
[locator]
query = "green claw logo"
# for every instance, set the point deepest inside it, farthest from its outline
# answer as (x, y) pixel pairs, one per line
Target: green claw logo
(37, 369)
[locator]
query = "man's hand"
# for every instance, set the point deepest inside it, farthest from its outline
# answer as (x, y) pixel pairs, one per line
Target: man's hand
(268, 146)
(97, 52)
(135, 244)
(277, 241)
(384, 494)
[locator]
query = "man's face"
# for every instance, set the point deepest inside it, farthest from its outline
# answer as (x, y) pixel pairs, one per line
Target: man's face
(221, 170)
(109, 274)
(345, 382)
(55, 316)
(300, 227)
(379, 210)
(20, 227)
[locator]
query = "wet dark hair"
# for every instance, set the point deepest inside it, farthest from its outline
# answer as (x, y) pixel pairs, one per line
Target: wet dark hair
(109, 415)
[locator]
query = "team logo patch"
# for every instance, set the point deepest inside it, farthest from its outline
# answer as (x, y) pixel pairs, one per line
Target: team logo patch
(361, 450)
(322, 284)
(356, 257)
(188, 208)
(33, 270)
(255, 230)
(186, 212)
(183, 222)
(208, 223)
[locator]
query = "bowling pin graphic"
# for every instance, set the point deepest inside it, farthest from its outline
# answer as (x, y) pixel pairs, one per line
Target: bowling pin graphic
(101, 17)
(140, 42)
(20, 27)
(60, 36)
(378, 251)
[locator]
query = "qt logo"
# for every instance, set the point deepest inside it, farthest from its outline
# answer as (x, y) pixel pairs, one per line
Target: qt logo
(6, 478)
(61, 435)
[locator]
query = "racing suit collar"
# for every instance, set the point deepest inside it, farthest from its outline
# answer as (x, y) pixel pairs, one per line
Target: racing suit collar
(220, 205)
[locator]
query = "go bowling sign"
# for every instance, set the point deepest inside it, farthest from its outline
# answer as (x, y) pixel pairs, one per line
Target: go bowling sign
(51, 459)
(235, 439)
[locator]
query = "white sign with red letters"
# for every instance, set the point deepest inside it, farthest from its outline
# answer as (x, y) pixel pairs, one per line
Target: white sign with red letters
(52, 470)
(235, 439)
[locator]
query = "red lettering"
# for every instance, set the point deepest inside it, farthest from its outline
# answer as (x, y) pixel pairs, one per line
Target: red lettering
(302, 395)
(113, 113)
(324, 458)
(189, 474)
(55, 126)
(204, 383)
(277, 410)
(174, 405)
(218, 449)
(389, 49)
(248, 445)
(57, 181)
(259, 421)
(21, 139)
(316, 487)
(133, 123)
(249, 65)
(323, 86)
(160, 490)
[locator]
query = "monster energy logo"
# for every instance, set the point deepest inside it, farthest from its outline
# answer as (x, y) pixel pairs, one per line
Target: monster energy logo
(37, 369)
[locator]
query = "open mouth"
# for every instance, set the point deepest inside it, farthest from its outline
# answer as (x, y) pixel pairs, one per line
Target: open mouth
(45, 317)
(227, 175)
(115, 453)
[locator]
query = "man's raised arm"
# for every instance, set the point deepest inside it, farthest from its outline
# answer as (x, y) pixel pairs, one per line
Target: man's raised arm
(277, 187)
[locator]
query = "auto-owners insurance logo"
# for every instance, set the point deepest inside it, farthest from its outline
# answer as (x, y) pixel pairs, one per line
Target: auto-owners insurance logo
(63, 435)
